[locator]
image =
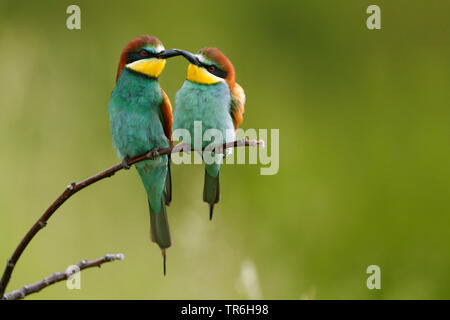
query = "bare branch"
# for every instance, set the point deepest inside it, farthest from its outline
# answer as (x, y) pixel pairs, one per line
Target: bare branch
(74, 187)
(60, 276)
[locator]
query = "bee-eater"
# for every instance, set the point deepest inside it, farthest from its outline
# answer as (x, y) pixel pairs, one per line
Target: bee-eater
(140, 116)
(211, 95)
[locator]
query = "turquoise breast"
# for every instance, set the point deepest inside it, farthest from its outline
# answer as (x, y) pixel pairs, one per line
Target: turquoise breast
(209, 104)
(135, 115)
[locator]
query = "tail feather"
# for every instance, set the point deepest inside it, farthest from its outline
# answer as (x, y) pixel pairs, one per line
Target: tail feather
(163, 251)
(159, 226)
(211, 211)
(211, 192)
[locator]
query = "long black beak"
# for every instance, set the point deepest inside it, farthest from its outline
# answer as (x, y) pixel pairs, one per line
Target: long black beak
(177, 52)
(167, 54)
(189, 57)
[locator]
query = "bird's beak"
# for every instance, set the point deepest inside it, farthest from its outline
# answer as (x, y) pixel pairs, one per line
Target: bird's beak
(177, 52)
(167, 54)
(189, 57)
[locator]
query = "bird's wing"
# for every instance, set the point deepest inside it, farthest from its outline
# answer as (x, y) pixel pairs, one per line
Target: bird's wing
(237, 105)
(166, 110)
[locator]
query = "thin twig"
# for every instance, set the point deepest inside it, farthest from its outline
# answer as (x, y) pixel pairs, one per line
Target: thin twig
(60, 276)
(74, 187)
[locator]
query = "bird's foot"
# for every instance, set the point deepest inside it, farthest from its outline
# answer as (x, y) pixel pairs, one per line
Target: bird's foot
(153, 154)
(227, 152)
(125, 164)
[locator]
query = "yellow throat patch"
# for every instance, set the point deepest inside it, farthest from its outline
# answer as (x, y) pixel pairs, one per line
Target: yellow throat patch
(151, 67)
(201, 75)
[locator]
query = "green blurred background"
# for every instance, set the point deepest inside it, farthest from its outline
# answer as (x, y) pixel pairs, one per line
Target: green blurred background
(364, 151)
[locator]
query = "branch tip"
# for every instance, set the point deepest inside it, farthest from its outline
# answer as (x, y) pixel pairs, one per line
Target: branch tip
(120, 256)
(58, 276)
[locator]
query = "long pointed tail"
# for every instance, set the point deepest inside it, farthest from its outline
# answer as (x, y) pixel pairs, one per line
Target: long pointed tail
(211, 191)
(154, 175)
(159, 226)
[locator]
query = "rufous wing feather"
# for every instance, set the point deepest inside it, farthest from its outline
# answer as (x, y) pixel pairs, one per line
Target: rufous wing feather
(237, 104)
(166, 110)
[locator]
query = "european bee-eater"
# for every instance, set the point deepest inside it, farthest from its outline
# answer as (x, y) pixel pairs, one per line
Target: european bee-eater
(141, 119)
(211, 95)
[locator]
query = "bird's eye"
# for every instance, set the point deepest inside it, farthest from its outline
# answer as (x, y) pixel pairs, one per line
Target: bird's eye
(144, 53)
(211, 68)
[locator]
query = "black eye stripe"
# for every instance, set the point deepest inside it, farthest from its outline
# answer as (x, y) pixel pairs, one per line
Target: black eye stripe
(217, 72)
(135, 56)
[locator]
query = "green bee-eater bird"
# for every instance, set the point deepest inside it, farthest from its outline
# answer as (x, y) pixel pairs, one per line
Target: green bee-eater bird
(141, 119)
(211, 95)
